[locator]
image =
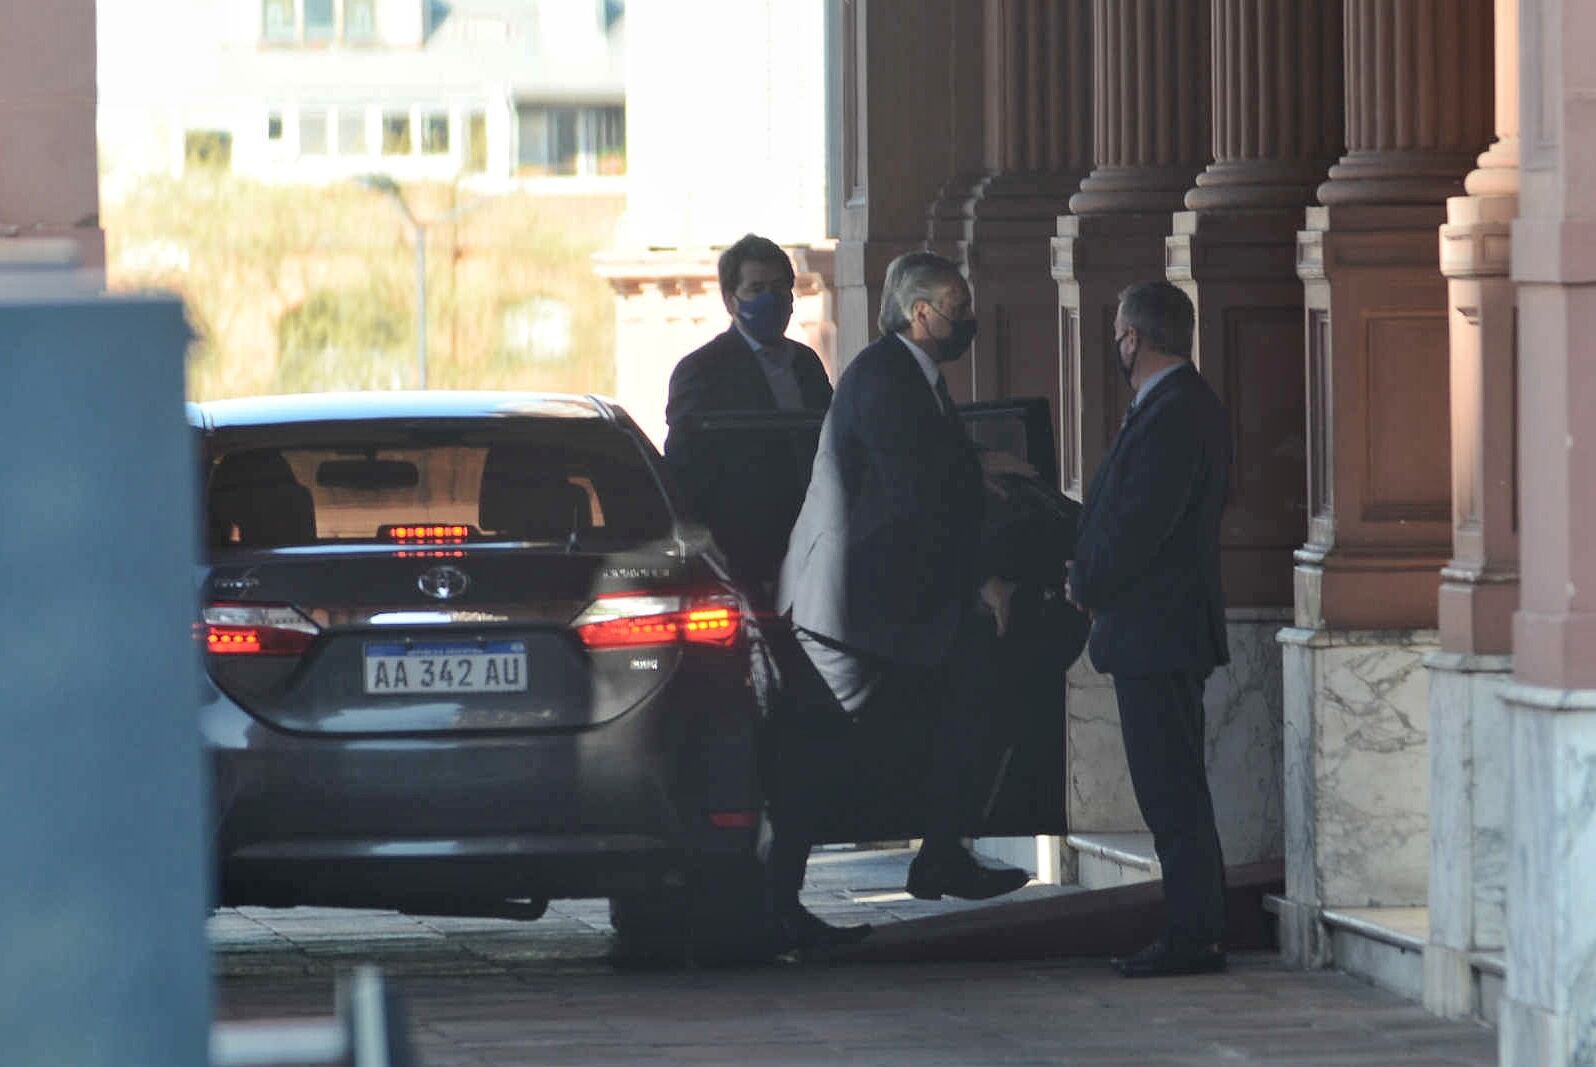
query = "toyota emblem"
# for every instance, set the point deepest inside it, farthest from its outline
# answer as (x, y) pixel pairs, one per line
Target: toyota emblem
(443, 583)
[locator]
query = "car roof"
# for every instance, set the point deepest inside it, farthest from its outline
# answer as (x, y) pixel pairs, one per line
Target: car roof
(356, 407)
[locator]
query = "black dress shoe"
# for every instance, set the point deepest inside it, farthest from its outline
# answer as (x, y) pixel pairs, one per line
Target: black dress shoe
(1164, 958)
(799, 928)
(958, 874)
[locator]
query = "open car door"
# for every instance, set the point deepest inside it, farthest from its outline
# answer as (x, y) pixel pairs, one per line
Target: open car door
(1029, 533)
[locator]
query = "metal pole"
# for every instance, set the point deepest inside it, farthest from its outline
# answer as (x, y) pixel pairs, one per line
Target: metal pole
(418, 233)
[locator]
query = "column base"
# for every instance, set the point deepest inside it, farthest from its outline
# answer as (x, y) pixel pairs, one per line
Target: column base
(1243, 702)
(1469, 771)
(1532, 1037)
(1356, 767)
(1448, 981)
(1549, 1016)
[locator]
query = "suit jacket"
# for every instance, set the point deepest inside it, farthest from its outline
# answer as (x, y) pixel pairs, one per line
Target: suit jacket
(1147, 555)
(748, 494)
(884, 557)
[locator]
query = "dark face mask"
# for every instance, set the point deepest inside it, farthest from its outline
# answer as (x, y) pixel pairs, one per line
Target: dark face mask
(765, 317)
(957, 342)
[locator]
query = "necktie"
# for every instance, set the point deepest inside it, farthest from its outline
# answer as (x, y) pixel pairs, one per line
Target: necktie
(945, 397)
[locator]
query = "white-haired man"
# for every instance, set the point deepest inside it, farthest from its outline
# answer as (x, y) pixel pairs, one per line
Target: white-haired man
(883, 577)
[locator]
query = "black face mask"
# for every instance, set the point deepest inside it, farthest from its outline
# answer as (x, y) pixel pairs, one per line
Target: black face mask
(956, 343)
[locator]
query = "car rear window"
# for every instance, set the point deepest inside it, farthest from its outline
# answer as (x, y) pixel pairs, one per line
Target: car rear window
(538, 480)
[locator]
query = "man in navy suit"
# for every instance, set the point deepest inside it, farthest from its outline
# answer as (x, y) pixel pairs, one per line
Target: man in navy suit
(884, 578)
(1147, 568)
(747, 496)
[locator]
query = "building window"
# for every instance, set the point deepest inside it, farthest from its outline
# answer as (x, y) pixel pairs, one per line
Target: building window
(277, 21)
(351, 132)
(476, 142)
(318, 22)
(313, 133)
(435, 133)
(609, 140)
(321, 21)
(360, 20)
(570, 140)
(396, 133)
(274, 125)
(207, 150)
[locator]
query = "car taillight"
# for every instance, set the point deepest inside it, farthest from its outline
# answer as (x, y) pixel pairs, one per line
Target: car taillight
(630, 620)
(255, 630)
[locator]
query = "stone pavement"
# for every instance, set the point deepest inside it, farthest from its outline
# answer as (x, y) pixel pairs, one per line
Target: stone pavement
(502, 993)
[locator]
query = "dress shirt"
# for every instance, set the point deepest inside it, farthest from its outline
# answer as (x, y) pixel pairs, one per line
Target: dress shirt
(1147, 386)
(928, 367)
(776, 361)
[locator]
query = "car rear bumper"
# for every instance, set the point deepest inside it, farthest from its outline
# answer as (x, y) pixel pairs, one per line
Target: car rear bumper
(380, 821)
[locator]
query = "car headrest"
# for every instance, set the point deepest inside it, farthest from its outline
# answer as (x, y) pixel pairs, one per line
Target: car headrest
(256, 492)
(521, 497)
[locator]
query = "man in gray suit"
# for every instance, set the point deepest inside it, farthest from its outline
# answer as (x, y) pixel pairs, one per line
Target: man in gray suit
(883, 577)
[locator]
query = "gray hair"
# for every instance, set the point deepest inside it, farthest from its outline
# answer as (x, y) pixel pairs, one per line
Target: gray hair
(1162, 313)
(912, 277)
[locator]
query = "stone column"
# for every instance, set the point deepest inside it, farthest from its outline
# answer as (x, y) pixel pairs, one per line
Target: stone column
(1150, 140)
(1418, 110)
(1479, 588)
(1150, 135)
(1038, 147)
(1277, 126)
(1549, 1011)
(49, 175)
(911, 111)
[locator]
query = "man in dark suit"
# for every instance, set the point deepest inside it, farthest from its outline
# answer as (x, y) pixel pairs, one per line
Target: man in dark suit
(1147, 568)
(748, 496)
(884, 578)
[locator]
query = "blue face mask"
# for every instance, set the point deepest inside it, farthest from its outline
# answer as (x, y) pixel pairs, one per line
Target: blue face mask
(765, 317)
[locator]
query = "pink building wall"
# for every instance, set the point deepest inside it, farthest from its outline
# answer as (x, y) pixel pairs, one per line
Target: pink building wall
(49, 174)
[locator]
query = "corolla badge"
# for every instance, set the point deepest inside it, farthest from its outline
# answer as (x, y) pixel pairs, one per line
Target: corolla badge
(443, 583)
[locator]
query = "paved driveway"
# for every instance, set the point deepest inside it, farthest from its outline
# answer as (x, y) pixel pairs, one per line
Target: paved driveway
(500, 993)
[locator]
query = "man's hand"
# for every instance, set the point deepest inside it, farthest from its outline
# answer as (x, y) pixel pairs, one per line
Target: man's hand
(1069, 589)
(995, 465)
(996, 595)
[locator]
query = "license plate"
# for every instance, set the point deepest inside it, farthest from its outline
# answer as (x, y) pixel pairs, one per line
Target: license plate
(492, 667)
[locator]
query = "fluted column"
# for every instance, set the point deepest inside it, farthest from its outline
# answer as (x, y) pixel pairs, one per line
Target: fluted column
(1037, 148)
(906, 79)
(1418, 110)
(1150, 136)
(1277, 109)
(1277, 122)
(1149, 140)
(1418, 103)
(1151, 112)
(1469, 768)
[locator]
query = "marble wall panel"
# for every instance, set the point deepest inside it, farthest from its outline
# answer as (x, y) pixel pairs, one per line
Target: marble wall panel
(1357, 767)
(1243, 706)
(1469, 774)
(1550, 1012)
(1372, 766)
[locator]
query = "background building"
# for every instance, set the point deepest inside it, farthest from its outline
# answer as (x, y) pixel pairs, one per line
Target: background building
(726, 135)
(318, 90)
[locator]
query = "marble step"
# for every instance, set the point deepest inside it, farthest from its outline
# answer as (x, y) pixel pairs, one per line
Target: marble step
(1385, 946)
(1112, 860)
